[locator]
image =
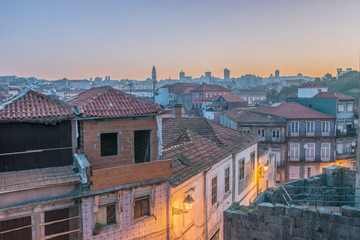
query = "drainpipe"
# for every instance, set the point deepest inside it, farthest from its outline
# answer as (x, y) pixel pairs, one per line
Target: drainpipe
(206, 215)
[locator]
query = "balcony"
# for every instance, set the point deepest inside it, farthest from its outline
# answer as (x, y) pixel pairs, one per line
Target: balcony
(346, 132)
(126, 174)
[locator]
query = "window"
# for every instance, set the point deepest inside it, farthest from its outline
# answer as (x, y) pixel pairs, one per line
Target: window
(18, 228)
(241, 169)
(106, 214)
(207, 95)
(214, 191)
(246, 130)
(309, 171)
(325, 128)
(197, 95)
(227, 180)
(142, 207)
(350, 107)
(310, 125)
(294, 151)
(294, 172)
(310, 151)
(142, 146)
(341, 107)
(339, 148)
(276, 135)
(63, 222)
(294, 128)
(109, 144)
(325, 151)
(261, 132)
(252, 160)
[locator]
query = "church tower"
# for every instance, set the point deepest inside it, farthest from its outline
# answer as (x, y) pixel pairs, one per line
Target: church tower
(153, 75)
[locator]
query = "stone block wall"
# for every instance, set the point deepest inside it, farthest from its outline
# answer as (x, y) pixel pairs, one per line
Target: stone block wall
(333, 187)
(268, 221)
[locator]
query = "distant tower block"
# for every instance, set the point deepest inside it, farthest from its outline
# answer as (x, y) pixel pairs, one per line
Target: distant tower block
(226, 74)
(208, 75)
(277, 73)
(181, 75)
(153, 74)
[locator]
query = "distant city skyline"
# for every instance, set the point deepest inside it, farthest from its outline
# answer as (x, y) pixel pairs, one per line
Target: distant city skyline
(124, 39)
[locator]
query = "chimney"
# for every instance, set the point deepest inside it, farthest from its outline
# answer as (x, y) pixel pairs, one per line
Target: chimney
(179, 111)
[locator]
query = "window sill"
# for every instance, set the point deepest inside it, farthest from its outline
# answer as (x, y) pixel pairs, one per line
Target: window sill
(143, 218)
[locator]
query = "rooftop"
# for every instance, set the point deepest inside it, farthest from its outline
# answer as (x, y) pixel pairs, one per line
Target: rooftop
(232, 98)
(181, 87)
(209, 87)
(337, 95)
(107, 102)
(194, 144)
(249, 116)
(293, 111)
(37, 178)
(32, 105)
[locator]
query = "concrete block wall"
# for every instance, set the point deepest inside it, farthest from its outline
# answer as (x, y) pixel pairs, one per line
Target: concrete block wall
(268, 221)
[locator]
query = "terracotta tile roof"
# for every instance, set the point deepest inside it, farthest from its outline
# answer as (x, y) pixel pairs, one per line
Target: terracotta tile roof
(313, 85)
(210, 87)
(293, 111)
(337, 95)
(248, 116)
(107, 102)
(181, 87)
(37, 178)
(213, 132)
(233, 98)
(293, 95)
(192, 154)
(195, 144)
(29, 105)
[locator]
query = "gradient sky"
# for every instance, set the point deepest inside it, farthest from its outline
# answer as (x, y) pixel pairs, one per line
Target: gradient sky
(81, 39)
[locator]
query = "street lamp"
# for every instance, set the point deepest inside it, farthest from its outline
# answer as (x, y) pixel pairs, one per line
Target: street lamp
(188, 202)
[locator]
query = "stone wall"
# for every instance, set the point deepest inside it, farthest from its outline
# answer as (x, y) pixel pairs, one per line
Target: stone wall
(272, 217)
(333, 187)
(268, 221)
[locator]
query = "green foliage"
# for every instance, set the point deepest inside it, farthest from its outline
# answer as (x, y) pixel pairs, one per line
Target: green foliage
(97, 228)
(245, 209)
(347, 84)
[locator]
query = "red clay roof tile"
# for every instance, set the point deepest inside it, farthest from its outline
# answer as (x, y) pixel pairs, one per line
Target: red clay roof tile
(293, 111)
(337, 95)
(29, 105)
(107, 102)
(37, 178)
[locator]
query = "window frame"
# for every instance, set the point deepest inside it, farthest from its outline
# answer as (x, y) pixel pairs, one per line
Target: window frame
(310, 152)
(294, 128)
(292, 172)
(261, 132)
(102, 144)
(294, 151)
(310, 128)
(252, 161)
(325, 151)
(241, 169)
(312, 171)
(143, 215)
(227, 180)
(214, 198)
(325, 128)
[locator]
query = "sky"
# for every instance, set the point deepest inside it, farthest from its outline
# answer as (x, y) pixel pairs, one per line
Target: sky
(53, 39)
